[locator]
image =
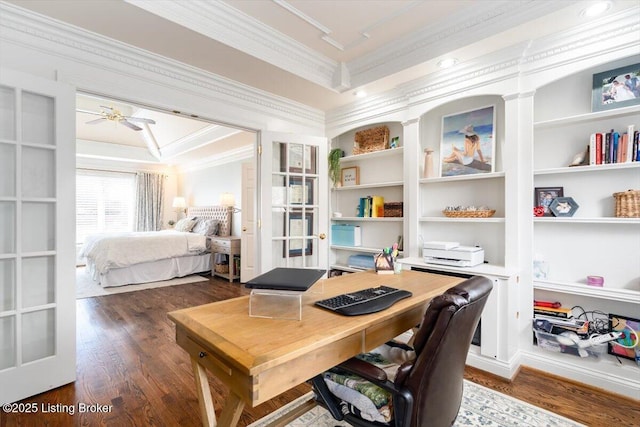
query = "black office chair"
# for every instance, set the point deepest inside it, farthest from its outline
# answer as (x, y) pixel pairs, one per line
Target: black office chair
(426, 391)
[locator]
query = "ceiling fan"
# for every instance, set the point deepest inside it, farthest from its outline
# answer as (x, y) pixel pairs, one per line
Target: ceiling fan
(109, 113)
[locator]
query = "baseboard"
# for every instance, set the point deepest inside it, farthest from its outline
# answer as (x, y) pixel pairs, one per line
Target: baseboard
(502, 369)
(625, 384)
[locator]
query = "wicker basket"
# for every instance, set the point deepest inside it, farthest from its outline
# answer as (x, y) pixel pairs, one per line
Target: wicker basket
(393, 209)
(627, 204)
(370, 140)
(469, 214)
(221, 268)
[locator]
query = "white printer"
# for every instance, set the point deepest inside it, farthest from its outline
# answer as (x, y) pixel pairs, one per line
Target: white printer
(451, 253)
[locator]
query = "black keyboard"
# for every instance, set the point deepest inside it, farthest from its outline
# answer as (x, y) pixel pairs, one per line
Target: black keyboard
(366, 301)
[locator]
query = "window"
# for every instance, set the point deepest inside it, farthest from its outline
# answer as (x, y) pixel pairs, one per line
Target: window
(104, 202)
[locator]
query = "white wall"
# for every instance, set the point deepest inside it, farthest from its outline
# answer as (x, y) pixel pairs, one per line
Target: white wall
(203, 187)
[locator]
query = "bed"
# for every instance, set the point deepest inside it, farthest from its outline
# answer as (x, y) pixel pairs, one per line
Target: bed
(118, 259)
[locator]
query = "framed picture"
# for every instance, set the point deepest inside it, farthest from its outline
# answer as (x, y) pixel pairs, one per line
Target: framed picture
(616, 88)
(624, 346)
(297, 158)
(299, 229)
(467, 145)
(395, 142)
(563, 206)
(543, 196)
(350, 176)
(298, 193)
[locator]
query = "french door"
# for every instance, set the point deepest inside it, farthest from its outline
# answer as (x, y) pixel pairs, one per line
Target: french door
(293, 201)
(37, 228)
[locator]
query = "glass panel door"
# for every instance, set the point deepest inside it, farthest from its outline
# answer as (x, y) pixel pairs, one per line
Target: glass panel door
(37, 303)
(294, 202)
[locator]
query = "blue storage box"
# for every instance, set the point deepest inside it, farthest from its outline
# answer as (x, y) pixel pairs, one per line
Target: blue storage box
(346, 235)
(365, 262)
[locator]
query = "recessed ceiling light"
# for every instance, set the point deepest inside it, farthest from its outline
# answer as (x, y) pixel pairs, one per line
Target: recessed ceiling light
(596, 8)
(447, 62)
(360, 93)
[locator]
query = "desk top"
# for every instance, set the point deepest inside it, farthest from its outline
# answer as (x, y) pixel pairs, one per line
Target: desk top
(252, 345)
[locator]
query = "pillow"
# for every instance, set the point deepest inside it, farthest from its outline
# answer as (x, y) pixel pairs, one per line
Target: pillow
(206, 227)
(185, 224)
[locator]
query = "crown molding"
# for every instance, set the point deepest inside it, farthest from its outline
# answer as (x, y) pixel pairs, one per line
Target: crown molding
(615, 34)
(219, 21)
(205, 136)
(26, 28)
(230, 156)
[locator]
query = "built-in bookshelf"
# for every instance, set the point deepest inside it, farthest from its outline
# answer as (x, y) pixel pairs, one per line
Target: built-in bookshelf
(381, 173)
(593, 241)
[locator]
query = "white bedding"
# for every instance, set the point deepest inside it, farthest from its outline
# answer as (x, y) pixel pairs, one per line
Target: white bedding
(117, 250)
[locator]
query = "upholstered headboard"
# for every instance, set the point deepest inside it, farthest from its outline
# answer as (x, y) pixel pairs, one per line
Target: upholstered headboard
(221, 213)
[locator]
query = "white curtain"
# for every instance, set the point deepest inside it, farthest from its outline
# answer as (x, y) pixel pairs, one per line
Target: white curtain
(149, 201)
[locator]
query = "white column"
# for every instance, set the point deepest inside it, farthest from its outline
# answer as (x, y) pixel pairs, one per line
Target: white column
(411, 162)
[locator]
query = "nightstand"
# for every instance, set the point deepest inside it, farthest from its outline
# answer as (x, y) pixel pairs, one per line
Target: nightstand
(226, 251)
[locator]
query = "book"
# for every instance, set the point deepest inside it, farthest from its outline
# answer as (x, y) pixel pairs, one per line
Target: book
(606, 148)
(592, 149)
(377, 207)
(615, 141)
(553, 312)
(598, 148)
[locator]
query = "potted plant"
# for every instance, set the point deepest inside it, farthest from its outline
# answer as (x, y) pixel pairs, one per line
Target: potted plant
(334, 165)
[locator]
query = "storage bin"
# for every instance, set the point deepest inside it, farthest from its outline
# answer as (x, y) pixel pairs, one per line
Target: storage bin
(627, 204)
(550, 342)
(370, 140)
(346, 235)
(393, 209)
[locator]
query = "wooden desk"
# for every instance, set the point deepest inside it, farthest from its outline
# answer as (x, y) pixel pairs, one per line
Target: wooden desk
(260, 358)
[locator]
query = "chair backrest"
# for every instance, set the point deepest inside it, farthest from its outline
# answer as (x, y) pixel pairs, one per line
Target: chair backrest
(435, 377)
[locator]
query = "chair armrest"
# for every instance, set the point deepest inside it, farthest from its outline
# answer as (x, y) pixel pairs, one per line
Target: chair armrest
(363, 369)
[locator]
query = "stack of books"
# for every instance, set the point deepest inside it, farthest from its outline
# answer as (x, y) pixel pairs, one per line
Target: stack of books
(614, 147)
(553, 318)
(371, 207)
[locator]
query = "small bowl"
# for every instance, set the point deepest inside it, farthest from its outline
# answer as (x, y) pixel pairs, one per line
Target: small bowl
(595, 281)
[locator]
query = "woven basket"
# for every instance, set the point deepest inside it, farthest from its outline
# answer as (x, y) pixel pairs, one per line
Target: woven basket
(469, 214)
(393, 209)
(222, 268)
(627, 204)
(370, 140)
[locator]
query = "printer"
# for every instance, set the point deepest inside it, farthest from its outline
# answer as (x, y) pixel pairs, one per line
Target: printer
(452, 253)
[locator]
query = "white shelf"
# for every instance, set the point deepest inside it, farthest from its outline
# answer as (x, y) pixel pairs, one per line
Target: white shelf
(579, 220)
(369, 219)
(362, 249)
(373, 185)
(447, 219)
(372, 155)
(346, 268)
(590, 168)
(622, 295)
(588, 117)
(472, 177)
(482, 269)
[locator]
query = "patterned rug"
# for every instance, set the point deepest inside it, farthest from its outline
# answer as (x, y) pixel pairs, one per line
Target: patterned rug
(87, 288)
(480, 407)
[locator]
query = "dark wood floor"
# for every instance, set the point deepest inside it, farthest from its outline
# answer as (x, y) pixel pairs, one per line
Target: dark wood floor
(127, 358)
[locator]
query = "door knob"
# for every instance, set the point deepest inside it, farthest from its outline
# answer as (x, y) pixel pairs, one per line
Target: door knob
(244, 228)
(322, 236)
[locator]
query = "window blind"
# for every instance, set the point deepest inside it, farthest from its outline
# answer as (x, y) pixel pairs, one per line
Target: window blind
(105, 202)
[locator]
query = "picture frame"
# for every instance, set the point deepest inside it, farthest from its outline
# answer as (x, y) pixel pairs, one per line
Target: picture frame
(350, 176)
(467, 144)
(395, 142)
(623, 323)
(543, 196)
(296, 158)
(616, 88)
(299, 194)
(299, 229)
(563, 206)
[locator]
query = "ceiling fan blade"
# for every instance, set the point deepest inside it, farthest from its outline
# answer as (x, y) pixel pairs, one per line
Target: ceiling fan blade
(88, 112)
(95, 122)
(141, 119)
(106, 108)
(130, 125)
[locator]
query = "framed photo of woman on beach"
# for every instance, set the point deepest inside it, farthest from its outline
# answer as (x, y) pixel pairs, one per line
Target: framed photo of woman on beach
(468, 142)
(616, 88)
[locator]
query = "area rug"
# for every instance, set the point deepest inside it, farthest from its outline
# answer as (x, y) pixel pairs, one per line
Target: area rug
(87, 288)
(480, 407)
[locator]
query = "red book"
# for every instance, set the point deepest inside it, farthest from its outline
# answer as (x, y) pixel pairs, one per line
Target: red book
(598, 148)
